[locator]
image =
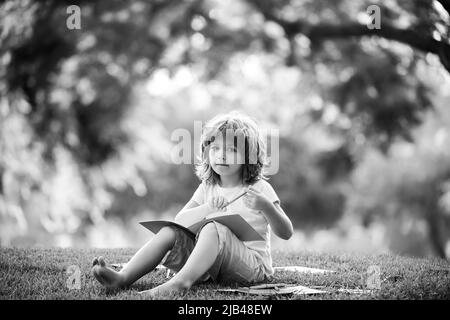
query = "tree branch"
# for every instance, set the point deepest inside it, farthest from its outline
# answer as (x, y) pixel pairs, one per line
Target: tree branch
(322, 31)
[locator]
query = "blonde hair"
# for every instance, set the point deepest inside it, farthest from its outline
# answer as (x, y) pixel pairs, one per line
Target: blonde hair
(255, 146)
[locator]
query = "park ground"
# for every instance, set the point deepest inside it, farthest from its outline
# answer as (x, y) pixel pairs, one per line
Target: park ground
(42, 273)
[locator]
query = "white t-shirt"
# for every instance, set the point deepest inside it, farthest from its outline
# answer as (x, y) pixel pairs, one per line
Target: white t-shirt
(255, 218)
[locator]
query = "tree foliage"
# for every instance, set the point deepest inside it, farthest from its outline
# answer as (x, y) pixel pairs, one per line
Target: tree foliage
(82, 137)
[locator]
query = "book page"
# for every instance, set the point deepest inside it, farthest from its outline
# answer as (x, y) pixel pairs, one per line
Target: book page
(156, 225)
(234, 222)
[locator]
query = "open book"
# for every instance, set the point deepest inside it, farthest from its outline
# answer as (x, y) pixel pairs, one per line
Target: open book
(234, 222)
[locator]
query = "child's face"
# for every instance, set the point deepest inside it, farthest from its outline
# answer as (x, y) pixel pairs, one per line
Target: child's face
(225, 159)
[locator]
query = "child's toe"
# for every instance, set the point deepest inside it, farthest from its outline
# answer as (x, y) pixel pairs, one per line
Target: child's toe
(96, 273)
(101, 261)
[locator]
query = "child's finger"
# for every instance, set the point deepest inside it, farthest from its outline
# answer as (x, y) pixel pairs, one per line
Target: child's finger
(252, 191)
(211, 203)
(249, 196)
(220, 202)
(216, 202)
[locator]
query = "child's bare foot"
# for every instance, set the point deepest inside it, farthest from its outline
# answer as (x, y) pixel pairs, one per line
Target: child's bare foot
(105, 275)
(167, 288)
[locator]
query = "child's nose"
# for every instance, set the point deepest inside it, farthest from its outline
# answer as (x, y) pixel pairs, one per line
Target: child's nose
(222, 154)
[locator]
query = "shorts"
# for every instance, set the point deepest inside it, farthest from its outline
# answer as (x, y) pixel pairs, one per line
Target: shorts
(234, 263)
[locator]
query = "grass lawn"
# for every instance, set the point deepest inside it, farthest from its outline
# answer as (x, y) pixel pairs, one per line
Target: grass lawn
(40, 273)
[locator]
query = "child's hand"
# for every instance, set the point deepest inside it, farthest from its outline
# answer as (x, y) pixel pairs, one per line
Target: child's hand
(254, 199)
(217, 204)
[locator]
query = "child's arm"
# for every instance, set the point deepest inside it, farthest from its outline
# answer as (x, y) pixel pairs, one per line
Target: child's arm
(191, 213)
(278, 220)
(194, 212)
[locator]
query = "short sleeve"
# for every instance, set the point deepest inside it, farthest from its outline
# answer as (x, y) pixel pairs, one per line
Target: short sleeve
(199, 194)
(268, 191)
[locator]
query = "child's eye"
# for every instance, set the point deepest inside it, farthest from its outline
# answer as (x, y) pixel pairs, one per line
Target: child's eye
(214, 147)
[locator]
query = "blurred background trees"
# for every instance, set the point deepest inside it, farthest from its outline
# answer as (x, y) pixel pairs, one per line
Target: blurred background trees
(86, 115)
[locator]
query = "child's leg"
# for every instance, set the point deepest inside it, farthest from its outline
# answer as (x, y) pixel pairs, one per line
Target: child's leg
(144, 261)
(200, 261)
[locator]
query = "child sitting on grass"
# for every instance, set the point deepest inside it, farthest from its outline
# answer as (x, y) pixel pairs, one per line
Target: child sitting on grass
(226, 169)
